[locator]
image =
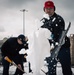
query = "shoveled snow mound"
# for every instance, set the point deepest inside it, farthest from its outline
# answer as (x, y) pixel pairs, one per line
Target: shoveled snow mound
(39, 47)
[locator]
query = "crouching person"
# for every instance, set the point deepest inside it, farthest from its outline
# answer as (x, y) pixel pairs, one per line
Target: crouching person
(11, 49)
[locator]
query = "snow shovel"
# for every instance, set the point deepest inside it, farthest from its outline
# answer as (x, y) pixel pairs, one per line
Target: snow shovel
(12, 62)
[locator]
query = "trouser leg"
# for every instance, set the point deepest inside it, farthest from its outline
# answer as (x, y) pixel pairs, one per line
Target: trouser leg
(65, 60)
(51, 66)
(5, 67)
(19, 72)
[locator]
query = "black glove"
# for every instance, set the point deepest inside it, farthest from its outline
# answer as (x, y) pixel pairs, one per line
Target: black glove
(47, 24)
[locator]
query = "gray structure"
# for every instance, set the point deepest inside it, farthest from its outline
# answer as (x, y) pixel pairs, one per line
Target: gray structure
(1, 42)
(72, 48)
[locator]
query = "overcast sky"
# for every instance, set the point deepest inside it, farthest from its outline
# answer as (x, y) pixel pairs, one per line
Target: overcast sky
(11, 18)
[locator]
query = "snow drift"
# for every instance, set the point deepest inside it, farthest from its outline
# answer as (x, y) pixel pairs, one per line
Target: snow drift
(39, 48)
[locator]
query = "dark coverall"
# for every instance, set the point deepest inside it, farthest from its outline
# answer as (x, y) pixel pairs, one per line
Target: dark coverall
(11, 49)
(56, 25)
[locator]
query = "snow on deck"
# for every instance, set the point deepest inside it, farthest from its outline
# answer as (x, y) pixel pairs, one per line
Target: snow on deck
(13, 68)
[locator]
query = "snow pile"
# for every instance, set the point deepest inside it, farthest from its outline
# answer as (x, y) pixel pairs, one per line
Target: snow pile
(39, 47)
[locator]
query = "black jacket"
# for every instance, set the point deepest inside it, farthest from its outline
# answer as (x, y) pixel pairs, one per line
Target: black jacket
(56, 25)
(11, 49)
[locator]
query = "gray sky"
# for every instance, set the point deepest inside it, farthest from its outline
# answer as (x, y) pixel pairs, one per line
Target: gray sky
(11, 18)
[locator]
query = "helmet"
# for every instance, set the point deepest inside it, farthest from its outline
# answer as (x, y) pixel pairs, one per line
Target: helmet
(22, 38)
(48, 4)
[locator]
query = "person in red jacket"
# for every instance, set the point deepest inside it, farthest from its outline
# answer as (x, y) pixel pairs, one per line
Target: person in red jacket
(10, 49)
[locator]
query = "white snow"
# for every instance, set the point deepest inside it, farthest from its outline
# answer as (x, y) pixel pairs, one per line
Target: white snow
(13, 68)
(40, 47)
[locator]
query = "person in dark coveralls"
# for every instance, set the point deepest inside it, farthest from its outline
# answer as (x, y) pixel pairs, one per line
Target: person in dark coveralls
(56, 25)
(11, 49)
